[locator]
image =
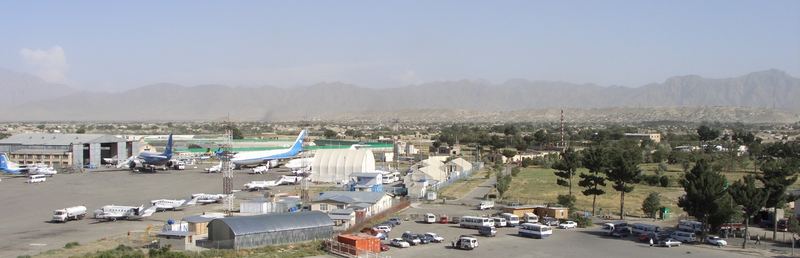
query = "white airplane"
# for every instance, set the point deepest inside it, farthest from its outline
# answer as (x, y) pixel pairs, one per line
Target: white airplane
(260, 169)
(217, 168)
(284, 180)
(115, 212)
(166, 204)
(41, 169)
(203, 198)
(253, 158)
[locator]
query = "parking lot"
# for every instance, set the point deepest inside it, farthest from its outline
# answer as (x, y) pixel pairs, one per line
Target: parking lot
(27, 208)
(589, 242)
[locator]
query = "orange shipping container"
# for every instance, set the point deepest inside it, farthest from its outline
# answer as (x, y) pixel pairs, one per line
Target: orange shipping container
(360, 243)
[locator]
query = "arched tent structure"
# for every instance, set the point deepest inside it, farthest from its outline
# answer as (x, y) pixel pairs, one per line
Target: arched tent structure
(337, 165)
(271, 229)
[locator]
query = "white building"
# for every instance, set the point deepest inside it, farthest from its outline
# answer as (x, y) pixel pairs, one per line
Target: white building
(364, 204)
(337, 165)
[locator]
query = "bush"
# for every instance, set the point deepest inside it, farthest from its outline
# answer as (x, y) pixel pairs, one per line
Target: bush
(582, 221)
(71, 245)
(651, 180)
(515, 171)
(664, 181)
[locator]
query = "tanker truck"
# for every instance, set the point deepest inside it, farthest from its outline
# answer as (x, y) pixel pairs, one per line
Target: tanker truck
(71, 213)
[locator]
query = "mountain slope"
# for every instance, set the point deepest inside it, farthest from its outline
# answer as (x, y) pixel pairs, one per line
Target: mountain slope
(757, 90)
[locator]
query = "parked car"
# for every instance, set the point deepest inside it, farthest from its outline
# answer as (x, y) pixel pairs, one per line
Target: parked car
(436, 238)
(395, 221)
(568, 224)
(399, 242)
(646, 237)
(669, 242)
(715, 240)
(385, 228)
(550, 221)
(487, 231)
(411, 238)
(621, 232)
(424, 239)
(465, 242)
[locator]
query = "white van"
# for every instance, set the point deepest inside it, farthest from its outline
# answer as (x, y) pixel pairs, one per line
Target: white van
(641, 228)
(511, 219)
(499, 222)
(685, 237)
(430, 218)
(36, 178)
(485, 205)
(690, 226)
(530, 218)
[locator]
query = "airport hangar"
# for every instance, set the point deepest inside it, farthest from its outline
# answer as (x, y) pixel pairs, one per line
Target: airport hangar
(67, 150)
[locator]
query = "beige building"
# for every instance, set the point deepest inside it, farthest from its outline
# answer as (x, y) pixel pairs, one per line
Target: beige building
(655, 137)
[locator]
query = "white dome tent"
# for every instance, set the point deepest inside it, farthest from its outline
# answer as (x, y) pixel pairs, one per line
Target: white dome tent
(337, 165)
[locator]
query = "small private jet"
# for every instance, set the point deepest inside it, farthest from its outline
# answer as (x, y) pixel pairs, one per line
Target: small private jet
(203, 198)
(116, 212)
(167, 204)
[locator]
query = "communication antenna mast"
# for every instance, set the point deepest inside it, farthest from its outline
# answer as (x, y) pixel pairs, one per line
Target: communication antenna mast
(562, 129)
(305, 173)
(227, 172)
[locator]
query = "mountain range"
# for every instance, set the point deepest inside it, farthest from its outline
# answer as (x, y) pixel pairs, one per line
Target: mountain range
(765, 94)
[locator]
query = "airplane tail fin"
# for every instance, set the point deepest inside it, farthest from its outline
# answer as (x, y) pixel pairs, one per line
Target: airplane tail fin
(298, 144)
(168, 150)
(149, 211)
(3, 161)
(191, 202)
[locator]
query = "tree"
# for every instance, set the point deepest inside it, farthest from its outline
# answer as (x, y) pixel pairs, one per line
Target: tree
(540, 137)
(329, 134)
(777, 175)
(651, 204)
(596, 160)
(752, 199)
(704, 188)
(235, 132)
(81, 130)
(707, 133)
(623, 172)
(567, 201)
(566, 167)
(509, 153)
(503, 183)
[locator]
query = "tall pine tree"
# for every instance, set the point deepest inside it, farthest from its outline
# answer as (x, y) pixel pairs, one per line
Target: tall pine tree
(752, 199)
(704, 188)
(596, 160)
(623, 172)
(566, 167)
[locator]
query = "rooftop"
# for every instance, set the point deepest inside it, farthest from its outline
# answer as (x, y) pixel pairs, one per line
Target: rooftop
(350, 197)
(275, 222)
(58, 139)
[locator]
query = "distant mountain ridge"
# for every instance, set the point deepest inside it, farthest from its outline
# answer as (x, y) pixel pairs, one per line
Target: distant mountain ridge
(759, 91)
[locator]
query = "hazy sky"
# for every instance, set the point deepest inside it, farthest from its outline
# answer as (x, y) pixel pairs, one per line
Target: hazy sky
(110, 45)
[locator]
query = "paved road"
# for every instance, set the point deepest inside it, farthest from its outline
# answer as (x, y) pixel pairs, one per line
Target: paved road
(26, 208)
(474, 197)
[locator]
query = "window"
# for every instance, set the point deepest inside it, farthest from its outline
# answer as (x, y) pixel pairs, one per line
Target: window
(323, 206)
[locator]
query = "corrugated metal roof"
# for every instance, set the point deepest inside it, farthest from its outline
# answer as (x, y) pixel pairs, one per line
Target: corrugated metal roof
(58, 138)
(276, 222)
(350, 197)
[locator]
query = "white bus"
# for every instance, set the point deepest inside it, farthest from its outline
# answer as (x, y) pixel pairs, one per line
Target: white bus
(511, 219)
(475, 222)
(530, 218)
(499, 222)
(690, 226)
(535, 230)
(641, 228)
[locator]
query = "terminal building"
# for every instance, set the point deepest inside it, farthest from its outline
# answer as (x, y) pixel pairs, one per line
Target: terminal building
(66, 150)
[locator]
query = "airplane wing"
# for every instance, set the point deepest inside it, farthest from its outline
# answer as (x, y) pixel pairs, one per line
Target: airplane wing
(149, 211)
(193, 201)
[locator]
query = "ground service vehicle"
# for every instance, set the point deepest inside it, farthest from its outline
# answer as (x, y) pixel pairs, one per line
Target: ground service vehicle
(535, 230)
(36, 179)
(71, 213)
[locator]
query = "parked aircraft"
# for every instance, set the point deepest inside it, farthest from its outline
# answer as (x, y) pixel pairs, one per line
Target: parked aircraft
(9, 167)
(115, 212)
(203, 198)
(41, 169)
(166, 204)
(253, 158)
(150, 160)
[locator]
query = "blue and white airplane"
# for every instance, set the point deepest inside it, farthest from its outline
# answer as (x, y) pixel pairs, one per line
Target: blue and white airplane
(150, 160)
(271, 157)
(8, 167)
